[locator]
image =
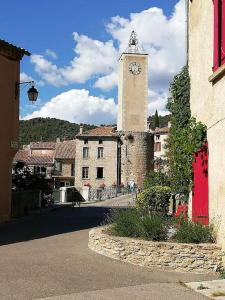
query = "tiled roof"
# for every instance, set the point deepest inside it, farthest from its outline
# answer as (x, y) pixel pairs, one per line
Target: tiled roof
(24, 155)
(40, 160)
(7, 46)
(162, 130)
(100, 131)
(42, 145)
(21, 155)
(65, 150)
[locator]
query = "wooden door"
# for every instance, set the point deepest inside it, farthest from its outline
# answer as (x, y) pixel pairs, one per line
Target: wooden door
(200, 195)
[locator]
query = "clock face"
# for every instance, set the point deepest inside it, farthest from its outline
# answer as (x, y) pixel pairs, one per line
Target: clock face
(135, 68)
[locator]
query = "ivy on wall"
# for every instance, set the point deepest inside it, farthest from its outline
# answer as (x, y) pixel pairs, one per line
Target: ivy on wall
(186, 134)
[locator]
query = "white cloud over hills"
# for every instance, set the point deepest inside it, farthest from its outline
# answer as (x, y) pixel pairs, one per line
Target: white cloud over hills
(79, 107)
(161, 36)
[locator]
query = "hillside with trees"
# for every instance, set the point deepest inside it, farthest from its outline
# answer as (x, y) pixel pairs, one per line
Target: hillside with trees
(48, 129)
(158, 121)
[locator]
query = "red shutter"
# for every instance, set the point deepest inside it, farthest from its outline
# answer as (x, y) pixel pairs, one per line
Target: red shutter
(222, 52)
(216, 36)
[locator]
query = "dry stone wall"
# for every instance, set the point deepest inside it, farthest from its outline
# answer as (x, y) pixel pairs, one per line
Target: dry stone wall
(201, 258)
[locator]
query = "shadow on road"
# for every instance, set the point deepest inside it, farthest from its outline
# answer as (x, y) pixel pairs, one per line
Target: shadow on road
(58, 221)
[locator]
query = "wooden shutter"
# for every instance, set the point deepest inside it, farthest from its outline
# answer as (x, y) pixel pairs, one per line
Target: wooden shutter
(216, 59)
(222, 28)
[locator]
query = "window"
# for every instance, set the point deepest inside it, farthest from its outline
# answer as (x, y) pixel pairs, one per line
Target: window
(100, 142)
(157, 147)
(157, 137)
(85, 152)
(58, 166)
(85, 171)
(85, 141)
(99, 173)
(100, 152)
(219, 34)
(72, 170)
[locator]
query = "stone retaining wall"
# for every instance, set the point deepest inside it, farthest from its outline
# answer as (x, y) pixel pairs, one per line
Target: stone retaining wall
(201, 258)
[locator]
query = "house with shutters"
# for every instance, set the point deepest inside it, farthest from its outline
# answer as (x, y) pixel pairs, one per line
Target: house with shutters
(206, 60)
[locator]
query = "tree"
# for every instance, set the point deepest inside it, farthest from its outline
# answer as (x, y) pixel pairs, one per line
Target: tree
(156, 120)
(186, 135)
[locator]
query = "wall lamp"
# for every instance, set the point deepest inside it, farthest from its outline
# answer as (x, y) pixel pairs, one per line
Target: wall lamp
(32, 92)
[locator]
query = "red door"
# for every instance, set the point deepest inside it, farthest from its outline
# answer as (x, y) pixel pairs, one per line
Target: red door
(200, 199)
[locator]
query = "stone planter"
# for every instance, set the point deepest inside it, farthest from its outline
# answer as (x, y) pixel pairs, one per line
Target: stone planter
(196, 258)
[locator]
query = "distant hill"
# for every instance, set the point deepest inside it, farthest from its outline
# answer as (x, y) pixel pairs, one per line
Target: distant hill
(48, 129)
(163, 121)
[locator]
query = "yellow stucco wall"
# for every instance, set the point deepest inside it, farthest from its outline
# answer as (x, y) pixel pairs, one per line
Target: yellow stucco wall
(208, 105)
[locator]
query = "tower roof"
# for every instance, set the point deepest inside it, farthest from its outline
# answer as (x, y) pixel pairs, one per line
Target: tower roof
(133, 46)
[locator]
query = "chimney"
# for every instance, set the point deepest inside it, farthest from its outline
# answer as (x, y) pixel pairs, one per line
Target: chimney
(58, 140)
(81, 129)
(169, 124)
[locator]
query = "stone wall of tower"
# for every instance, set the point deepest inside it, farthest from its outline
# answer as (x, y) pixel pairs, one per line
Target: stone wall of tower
(132, 93)
(137, 156)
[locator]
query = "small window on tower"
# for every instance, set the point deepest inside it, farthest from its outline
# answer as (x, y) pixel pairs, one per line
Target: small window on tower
(85, 141)
(100, 142)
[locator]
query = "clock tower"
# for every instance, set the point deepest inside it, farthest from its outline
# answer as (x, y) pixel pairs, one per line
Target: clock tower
(133, 88)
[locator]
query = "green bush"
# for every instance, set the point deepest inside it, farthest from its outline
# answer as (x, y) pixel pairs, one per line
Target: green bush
(153, 228)
(131, 223)
(125, 222)
(190, 232)
(154, 199)
(156, 179)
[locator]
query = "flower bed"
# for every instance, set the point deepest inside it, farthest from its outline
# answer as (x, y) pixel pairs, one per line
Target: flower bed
(196, 258)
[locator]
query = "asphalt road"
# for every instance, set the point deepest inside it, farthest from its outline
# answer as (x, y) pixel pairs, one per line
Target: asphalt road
(46, 256)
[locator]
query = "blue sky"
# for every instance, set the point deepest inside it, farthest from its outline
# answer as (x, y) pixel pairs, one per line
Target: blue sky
(75, 46)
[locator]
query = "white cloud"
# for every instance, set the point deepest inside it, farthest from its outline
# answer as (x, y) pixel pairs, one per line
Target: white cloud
(51, 53)
(157, 101)
(79, 107)
(107, 82)
(25, 77)
(92, 57)
(161, 36)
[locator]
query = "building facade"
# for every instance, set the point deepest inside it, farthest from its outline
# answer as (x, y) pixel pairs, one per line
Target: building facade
(160, 140)
(207, 72)
(96, 163)
(64, 164)
(10, 57)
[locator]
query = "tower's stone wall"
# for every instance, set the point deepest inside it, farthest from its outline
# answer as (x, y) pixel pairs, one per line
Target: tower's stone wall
(137, 156)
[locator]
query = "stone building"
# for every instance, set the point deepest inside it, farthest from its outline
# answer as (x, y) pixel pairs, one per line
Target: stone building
(39, 157)
(207, 72)
(96, 162)
(64, 163)
(160, 138)
(10, 57)
(109, 156)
